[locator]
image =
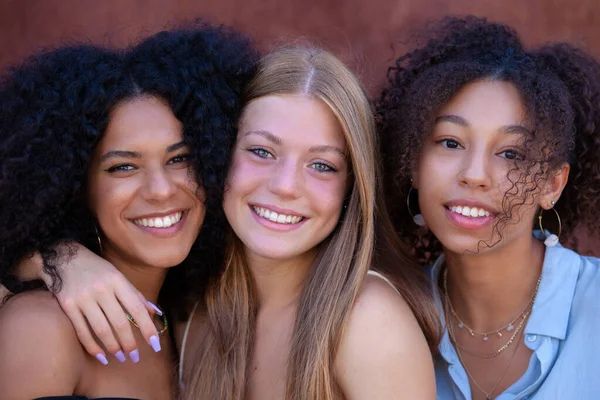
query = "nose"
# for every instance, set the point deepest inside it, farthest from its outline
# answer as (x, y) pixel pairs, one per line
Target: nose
(475, 171)
(286, 179)
(159, 185)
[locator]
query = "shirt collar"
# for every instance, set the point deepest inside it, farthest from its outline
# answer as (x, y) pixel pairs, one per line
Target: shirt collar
(555, 294)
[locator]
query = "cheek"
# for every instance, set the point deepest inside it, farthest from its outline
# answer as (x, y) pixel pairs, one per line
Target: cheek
(109, 198)
(327, 196)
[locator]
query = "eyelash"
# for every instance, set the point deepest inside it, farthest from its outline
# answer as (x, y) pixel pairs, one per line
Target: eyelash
(445, 142)
(257, 150)
(518, 154)
(181, 158)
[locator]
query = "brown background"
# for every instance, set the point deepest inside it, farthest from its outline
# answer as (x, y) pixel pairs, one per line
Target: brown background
(367, 34)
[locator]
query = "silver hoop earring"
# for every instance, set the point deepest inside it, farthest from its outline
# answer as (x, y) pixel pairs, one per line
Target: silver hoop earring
(417, 218)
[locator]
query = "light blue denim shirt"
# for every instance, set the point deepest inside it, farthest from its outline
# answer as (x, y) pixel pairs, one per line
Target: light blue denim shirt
(563, 331)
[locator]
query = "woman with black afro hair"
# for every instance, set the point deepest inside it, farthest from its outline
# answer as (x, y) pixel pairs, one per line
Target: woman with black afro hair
(127, 154)
(492, 157)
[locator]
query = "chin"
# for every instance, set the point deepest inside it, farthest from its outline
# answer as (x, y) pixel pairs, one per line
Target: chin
(165, 260)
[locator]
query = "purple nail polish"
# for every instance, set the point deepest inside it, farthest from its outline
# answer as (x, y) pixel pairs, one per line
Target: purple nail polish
(120, 356)
(158, 311)
(100, 357)
(135, 356)
(155, 343)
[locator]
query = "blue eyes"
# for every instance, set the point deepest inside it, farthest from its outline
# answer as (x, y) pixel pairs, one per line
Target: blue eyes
(262, 153)
(317, 166)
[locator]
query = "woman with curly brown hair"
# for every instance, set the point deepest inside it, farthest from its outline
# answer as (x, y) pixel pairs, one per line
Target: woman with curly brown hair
(125, 152)
(492, 155)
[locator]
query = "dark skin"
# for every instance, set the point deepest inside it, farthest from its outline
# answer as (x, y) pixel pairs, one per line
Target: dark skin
(139, 171)
(465, 162)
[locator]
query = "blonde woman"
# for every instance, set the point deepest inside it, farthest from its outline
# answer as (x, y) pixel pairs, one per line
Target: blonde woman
(293, 314)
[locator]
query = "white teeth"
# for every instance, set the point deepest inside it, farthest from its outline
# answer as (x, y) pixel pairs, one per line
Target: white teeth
(472, 212)
(275, 217)
(164, 222)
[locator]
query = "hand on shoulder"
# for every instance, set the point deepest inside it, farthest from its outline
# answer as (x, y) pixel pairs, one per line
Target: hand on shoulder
(39, 351)
(384, 354)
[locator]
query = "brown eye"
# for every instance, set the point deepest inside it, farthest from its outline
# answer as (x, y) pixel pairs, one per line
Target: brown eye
(511, 155)
(450, 144)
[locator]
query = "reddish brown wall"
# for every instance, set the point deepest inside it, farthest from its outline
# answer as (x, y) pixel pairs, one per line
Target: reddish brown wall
(362, 32)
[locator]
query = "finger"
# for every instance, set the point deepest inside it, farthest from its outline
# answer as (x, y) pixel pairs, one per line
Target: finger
(101, 328)
(134, 302)
(117, 317)
(85, 337)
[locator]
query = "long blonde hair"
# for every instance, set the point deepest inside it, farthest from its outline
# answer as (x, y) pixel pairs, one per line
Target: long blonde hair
(224, 351)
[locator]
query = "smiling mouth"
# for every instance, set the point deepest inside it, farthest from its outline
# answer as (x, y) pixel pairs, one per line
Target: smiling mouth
(160, 222)
(472, 212)
(278, 218)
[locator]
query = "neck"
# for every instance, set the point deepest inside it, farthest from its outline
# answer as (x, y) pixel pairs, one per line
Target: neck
(148, 280)
(488, 290)
(279, 282)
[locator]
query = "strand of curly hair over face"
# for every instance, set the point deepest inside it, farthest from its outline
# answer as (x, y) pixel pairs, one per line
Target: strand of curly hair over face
(560, 88)
(55, 108)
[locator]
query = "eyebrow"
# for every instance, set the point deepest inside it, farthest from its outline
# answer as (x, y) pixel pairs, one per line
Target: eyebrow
(326, 148)
(135, 154)
(455, 119)
(267, 135)
(315, 149)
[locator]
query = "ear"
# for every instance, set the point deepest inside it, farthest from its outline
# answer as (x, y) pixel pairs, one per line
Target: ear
(414, 180)
(554, 186)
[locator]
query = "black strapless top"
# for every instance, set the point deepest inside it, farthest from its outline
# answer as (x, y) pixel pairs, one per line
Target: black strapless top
(82, 398)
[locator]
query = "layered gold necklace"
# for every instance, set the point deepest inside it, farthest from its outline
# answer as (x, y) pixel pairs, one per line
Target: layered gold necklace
(509, 327)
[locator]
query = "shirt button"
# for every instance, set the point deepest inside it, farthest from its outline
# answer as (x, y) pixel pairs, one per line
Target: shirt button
(531, 338)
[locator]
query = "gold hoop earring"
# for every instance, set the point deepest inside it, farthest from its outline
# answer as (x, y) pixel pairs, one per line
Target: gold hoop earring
(417, 218)
(552, 239)
(98, 237)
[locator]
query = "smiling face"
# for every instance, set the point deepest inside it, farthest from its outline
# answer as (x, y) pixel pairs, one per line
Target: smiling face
(462, 173)
(141, 187)
(289, 176)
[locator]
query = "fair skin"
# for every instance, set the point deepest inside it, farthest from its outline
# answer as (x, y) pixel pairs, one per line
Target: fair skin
(465, 162)
(139, 171)
(291, 158)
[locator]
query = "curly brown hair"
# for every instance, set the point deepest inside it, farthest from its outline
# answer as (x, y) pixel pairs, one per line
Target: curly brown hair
(560, 88)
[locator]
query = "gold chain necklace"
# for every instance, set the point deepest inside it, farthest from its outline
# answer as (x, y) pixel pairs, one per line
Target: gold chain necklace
(508, 327)
(159, 331)
(501, 349)
(488, 395)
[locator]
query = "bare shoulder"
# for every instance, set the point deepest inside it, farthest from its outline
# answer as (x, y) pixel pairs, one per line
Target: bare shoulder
(383, 353)
(40, 354)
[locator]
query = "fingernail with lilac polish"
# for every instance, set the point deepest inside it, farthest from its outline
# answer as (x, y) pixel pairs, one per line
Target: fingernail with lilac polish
(135, 356)
(100, 357)
(120, 356)
(155, 308)
(155, 343)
